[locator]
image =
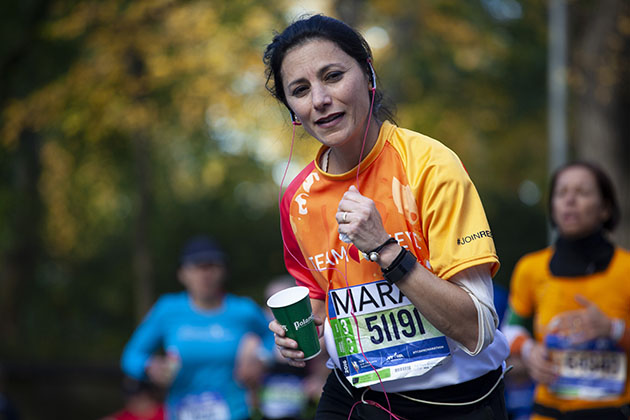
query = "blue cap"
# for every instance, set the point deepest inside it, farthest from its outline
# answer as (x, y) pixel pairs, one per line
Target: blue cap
(200, 250)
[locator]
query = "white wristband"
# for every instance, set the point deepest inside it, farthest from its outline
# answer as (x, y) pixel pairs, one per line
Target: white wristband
(617, 328)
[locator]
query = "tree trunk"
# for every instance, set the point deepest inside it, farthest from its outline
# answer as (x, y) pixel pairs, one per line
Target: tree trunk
(142, 258)
(18, 269)
(602, 99)
(350, 11)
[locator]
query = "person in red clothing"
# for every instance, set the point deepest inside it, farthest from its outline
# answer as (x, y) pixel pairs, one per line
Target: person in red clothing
(142, 402)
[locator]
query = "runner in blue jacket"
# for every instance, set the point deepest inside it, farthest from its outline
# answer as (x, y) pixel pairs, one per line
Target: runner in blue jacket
(204, 345)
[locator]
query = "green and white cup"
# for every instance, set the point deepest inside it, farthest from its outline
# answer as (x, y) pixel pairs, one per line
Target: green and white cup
(292, 309)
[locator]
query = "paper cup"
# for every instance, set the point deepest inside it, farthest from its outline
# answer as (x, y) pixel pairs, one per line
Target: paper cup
(292, 309)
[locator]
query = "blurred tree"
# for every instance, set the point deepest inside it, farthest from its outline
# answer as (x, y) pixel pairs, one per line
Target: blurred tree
(600, 78)
(21, 204)
(150, 112)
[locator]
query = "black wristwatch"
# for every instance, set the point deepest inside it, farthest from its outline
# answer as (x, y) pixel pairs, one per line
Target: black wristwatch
(400, 267)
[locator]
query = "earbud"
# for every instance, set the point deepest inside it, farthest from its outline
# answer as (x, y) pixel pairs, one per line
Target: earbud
(373, 75)
(294, 118)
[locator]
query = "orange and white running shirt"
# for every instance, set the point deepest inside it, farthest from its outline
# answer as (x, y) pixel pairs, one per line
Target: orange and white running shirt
(429, 204)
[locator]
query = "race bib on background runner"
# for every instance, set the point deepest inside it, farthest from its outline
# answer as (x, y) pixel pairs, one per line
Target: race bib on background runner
(377, 329)
(205, 406)
(283, 396)
(593, 370)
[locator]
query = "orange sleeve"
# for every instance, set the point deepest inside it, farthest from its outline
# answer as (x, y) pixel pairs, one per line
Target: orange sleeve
(453, 217)
(521, 298)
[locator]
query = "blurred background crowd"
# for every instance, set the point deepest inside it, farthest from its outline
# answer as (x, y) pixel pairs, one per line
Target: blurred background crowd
(126, 127)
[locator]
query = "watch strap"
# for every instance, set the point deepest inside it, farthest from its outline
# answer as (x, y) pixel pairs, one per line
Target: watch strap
(400, 267)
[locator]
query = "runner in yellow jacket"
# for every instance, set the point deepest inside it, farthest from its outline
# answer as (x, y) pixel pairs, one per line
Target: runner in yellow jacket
(577, 294)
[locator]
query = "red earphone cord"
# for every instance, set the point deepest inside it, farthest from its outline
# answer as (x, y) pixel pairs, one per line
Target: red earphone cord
(345, 273)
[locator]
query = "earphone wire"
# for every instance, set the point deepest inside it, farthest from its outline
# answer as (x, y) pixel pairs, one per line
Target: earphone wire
(353, 309)
(294, 123)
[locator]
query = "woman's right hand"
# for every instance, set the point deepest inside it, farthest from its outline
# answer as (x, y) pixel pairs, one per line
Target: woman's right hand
(161, 370)
(287, 346)
(538, 364)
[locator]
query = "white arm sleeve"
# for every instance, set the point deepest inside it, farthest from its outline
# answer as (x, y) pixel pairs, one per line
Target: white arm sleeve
(477, 282)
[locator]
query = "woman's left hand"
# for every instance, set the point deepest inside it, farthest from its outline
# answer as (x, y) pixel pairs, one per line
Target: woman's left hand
(360, 221)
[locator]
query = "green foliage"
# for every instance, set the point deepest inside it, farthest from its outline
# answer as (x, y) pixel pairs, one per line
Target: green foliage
(151, 119)
(124, 103)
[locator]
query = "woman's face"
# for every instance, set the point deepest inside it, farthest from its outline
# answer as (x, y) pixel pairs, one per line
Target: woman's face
(327, 90)
(203, 281)
(577, 205)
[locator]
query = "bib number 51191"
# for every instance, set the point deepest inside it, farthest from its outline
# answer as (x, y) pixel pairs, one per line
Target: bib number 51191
(393, 325)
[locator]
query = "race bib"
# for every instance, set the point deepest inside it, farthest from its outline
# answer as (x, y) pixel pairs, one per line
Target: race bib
(594, 370)
(283, 396)
(378, 330)
(205, 406)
